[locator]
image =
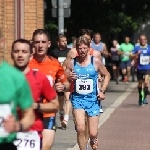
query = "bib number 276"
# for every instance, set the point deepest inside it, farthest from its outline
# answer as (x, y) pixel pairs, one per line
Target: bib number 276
(27, 141)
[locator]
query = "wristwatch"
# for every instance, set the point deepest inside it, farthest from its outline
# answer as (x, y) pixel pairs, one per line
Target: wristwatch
(103, 91)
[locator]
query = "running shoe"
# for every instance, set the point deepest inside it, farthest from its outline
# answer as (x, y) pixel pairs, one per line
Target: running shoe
(140, 102)
(64, 124)
(94, 144)
(125, 79)
(101, 109)
(145, 101)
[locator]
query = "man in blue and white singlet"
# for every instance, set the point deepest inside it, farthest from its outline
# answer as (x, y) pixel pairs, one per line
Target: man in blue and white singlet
(83, 71)
(142, 52)
(99, 46)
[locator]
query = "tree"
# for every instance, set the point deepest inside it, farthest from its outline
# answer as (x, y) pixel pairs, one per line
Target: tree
(106, 16)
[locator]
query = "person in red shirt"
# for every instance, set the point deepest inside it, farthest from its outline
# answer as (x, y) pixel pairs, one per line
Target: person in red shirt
(39, 83)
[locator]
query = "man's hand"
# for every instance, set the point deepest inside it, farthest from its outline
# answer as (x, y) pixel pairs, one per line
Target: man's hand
(139, 51)
(101, 96)
(73, 76)
(10, 124)
(60, 87)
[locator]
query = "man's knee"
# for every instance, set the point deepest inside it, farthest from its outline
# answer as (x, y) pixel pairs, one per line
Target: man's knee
(80, 128)
(93, 133)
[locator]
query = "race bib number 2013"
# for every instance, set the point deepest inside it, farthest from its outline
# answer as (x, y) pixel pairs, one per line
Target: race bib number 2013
(27, 141)
(84, 86)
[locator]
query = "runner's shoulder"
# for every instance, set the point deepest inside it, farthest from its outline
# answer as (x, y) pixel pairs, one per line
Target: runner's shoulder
(14, 74)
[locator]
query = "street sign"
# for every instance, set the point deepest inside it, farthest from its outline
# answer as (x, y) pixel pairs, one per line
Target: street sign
(66, 3)
(67, 12)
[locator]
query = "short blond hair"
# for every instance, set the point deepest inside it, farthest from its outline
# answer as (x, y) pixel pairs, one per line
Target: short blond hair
(82, 40)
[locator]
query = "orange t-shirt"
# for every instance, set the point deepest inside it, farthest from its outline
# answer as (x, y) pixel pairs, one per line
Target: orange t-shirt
(53, 70)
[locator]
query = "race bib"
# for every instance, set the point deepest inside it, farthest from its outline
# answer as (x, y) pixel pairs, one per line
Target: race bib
(27, 141)
(126, 55)
(84, 86)
(5, 111)
(144, 60)
(61, 59)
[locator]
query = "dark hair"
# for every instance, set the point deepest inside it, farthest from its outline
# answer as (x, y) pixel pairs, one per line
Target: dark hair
(60, 36)
(96, 33)
(40, 31)
(24, 41)
(83, 40)
(86, 31)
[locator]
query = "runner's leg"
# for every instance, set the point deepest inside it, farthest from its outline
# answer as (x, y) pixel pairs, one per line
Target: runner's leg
(79, 115)
(61, 107)
(48, 133)
(93, 131)
(67, 109)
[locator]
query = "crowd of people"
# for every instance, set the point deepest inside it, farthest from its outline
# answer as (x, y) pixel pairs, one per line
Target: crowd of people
(68, 79)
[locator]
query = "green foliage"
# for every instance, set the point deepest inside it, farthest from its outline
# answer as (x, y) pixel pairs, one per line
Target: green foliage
(50, 25)
(106, 16)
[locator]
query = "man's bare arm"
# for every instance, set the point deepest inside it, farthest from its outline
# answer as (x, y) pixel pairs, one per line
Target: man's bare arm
(102, 71)
(69, 69)
(27, 120)
(52, 106)
(97, 54)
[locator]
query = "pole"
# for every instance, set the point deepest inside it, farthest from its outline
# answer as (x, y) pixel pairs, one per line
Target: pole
(60, 16)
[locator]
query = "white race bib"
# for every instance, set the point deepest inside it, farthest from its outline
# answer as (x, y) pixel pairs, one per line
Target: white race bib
(126, 55)
(5, 111)
(84, 86)
(27, 141)
(144, 60)
(61, 59)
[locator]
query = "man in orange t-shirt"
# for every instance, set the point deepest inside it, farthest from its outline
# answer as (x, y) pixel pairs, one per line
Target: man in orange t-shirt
(55, 74)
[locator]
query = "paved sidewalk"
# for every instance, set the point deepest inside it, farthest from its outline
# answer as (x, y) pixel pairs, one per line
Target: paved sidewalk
(128, 127)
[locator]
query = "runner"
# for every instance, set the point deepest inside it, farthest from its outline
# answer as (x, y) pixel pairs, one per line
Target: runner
(99, 46)
(84, 70)
(125, 64)
(39, 84)
(60, 53)
(15, 92)
(115, 58)
(143, 67)
(55, 73)
(86, 33)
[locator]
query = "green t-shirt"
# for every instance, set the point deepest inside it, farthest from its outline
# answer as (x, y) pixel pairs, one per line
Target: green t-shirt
(127, 49)
(14, 93)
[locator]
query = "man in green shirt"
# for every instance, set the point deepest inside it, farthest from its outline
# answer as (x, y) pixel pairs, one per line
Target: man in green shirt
(125, 65)
(14, 93)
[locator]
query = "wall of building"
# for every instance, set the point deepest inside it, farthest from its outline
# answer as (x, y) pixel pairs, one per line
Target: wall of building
(32, 17)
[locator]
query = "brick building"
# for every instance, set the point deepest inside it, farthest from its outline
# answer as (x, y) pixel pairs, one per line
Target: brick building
(18, 19)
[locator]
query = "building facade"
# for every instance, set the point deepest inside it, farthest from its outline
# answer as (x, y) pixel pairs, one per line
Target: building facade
(18, 19)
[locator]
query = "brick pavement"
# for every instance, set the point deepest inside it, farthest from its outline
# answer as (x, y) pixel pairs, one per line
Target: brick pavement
(128, 127)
